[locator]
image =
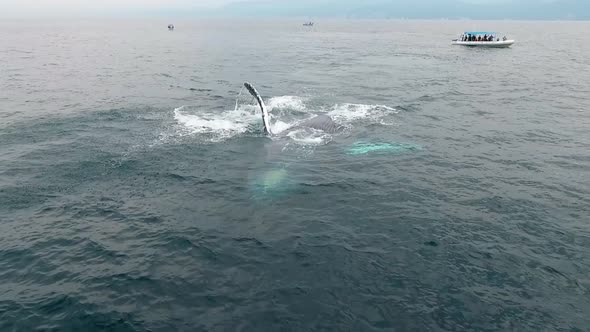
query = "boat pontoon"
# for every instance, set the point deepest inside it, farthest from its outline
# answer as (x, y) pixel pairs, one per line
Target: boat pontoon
(482, 39)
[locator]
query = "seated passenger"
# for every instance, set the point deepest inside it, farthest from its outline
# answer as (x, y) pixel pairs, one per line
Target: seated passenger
(504, 39)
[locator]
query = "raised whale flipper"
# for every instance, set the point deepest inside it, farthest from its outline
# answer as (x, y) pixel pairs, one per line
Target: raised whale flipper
(322, 122)
(265, 116)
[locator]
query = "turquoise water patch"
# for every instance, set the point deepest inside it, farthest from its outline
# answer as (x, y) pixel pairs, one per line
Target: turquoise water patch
(364, 148)
(272, 183)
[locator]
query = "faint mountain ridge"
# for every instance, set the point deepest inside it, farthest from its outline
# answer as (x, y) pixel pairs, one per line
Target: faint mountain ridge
(425, 9)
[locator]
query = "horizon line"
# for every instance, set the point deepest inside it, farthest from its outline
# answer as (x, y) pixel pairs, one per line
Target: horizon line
(277, 17)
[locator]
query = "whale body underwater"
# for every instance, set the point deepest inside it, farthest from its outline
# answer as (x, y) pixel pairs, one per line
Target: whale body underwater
(320, 122)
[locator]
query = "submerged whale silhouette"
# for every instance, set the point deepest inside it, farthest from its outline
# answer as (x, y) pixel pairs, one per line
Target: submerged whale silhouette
(321, 122)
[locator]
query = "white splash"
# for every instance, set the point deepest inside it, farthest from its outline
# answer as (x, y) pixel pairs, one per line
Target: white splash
(279, 126)
(286, 102)
(287, 112)
(309, 136)
(218, 126)
(345, 113)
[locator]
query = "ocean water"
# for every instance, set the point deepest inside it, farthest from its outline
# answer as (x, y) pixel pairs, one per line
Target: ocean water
(138, 193)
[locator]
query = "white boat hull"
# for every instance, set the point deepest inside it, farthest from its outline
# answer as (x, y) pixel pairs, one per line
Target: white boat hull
(490, 44)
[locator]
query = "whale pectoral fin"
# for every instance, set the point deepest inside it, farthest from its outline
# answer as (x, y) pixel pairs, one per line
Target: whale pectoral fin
(265, 115)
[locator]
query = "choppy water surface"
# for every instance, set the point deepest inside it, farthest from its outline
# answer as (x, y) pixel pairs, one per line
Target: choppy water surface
(137, 195)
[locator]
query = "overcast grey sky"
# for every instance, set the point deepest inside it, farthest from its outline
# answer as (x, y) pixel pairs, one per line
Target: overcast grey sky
(476, 9)
(69, 7)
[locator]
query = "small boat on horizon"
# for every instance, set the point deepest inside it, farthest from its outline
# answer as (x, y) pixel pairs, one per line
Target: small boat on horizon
(308, 24)
(170, 27)
(482, 39)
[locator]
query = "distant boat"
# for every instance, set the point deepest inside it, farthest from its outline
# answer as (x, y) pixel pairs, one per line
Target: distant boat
(170, 27)
(308, 24)
(482, 39)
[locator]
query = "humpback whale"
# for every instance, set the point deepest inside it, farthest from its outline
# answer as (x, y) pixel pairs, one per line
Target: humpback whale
(321, 122)
(274, 178)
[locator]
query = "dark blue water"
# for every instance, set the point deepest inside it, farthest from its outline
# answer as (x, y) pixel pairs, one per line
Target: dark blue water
(137, 195)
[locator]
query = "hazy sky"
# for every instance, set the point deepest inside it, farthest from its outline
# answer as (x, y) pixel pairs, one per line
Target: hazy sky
(69, 7)
(477, 9)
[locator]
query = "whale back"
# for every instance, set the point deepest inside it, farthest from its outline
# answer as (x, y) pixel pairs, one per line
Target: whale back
(323, 122)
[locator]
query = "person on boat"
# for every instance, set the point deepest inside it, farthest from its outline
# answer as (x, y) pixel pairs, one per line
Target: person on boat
(485, 37)
(504, 39)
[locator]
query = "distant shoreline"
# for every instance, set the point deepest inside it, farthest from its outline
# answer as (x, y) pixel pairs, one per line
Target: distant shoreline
(270, 18)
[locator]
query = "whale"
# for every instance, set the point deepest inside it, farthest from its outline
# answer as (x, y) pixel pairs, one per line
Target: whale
(274, 180)
(321, 122)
